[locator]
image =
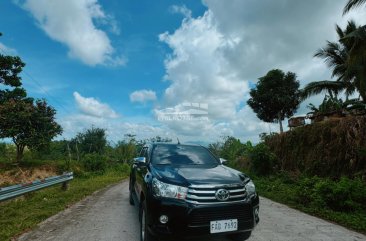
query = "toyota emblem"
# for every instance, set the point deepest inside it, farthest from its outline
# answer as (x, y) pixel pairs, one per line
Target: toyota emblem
(222, 195)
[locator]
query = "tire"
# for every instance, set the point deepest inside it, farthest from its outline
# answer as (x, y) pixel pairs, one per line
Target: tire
(145, 235)
(132, 202)
(240, 236)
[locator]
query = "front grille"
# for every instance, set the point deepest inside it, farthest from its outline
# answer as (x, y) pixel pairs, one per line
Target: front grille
(205, 194)
(203, 216)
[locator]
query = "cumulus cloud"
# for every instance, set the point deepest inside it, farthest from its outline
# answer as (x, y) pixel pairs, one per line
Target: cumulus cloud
(115, 129)
(142, 96)
(71, 23)
(182, 10)
(7, 50)
(197, 69)
(217, 55)
(92, 107)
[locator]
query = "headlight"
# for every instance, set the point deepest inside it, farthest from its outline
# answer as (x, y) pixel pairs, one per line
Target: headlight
(161, 189)
(250, 188)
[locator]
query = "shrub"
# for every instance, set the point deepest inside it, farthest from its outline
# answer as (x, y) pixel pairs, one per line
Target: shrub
(94, 162)
(121, 167)
(343, 195)
(263, 161)
(2, 151)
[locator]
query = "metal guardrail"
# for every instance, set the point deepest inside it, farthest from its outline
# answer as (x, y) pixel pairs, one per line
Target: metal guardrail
(20, 189)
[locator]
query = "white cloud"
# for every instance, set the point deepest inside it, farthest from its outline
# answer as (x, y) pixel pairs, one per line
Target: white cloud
(198, 70)
(216, 55)
(115, 129)
(71, 23)
(182, 10)
(142, 96)
(7, 50)
(93, 107)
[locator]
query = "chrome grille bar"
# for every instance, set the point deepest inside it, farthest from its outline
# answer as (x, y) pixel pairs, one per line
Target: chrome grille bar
(206, 194)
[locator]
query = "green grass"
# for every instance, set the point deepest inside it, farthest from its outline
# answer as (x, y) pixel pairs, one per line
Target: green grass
(283, 190)
(19, 215)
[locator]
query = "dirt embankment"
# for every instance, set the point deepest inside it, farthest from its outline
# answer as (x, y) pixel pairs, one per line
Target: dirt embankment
(24, 175)
(329, 148)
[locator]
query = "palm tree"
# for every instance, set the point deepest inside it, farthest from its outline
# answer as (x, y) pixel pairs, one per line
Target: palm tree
(356, 62)
(333, 88)
(353, 4)
(347, 61)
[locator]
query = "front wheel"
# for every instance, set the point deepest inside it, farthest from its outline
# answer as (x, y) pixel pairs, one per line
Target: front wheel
(240, 236)
(132, 202)
(144, 231)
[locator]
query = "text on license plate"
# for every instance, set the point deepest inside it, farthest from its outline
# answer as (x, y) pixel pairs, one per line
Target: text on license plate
(223, 226)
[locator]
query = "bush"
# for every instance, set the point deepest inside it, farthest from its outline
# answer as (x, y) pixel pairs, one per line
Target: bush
(2, 151)
(343, 195)
(94, 162)
(263, 161)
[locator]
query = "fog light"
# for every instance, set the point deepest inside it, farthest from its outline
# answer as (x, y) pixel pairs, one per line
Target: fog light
(163, 219)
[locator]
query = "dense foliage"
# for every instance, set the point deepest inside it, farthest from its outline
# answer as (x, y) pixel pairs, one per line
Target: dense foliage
(330, 148)
(28, 123)
(92, 140)
(341, 201)
(257, 159)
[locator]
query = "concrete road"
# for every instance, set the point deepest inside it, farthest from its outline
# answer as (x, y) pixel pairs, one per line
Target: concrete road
(107, 215)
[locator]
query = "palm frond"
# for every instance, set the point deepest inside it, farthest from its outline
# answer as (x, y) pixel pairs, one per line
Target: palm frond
(318, 87)
(352, 4)
(339, 31)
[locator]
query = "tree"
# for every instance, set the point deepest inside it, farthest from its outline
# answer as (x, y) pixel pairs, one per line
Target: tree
(28, 124)
(353, 4)
(232, 148)
(126, 150)
(347, 59)
(275, 97)
(92, 140)
(356, 61)
(10, 68)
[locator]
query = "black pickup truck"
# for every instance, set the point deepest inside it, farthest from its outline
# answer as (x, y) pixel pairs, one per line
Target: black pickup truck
(185, 191)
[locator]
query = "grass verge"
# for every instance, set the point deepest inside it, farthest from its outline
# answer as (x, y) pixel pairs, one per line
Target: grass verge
(285, 191)
(23, 214)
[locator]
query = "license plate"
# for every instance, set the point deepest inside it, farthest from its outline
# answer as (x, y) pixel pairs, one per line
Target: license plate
(221, 226)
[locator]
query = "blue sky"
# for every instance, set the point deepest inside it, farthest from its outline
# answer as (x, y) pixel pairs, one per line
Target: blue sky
(120, 65)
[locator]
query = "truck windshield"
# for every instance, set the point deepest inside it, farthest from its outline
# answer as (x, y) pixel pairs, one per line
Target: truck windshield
(182, 155)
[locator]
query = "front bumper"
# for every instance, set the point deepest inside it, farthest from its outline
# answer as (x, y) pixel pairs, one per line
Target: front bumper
(188, 220)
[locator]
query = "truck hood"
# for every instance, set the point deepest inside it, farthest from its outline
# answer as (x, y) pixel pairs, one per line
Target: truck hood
(197, 175)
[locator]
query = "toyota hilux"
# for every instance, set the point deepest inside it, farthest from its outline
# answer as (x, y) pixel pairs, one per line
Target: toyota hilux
(186, 191)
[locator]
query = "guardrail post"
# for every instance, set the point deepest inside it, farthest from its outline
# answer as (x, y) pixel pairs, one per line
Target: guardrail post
(65, 186)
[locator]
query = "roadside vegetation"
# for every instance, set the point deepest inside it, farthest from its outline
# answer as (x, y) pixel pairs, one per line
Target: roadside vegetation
(26, 212)
(93, 160)
(341, 199)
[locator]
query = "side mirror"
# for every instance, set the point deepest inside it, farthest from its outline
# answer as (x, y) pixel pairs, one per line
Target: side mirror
(139, 160)
(222, 160)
